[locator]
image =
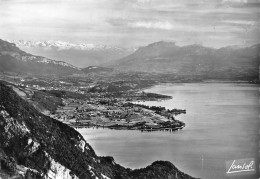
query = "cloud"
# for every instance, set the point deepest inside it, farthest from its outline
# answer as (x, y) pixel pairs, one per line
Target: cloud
(143, 1)
(234, 1)
(240, 22)
(152, 25)
(129, 22)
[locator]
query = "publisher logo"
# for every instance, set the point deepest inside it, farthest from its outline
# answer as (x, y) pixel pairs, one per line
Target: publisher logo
(240, 167)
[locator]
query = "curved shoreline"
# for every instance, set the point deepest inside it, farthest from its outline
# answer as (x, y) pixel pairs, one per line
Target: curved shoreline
(127, 127)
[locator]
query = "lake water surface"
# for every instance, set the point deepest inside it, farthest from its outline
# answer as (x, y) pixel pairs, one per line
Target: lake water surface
(222, 123)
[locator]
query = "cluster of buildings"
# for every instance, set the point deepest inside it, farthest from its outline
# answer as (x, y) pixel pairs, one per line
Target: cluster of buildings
(96, 112)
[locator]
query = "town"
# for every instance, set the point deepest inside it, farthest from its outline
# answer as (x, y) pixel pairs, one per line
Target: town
(89, 105)
(116, 114)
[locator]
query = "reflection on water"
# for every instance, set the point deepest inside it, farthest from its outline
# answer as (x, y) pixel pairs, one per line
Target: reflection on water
(221, 124)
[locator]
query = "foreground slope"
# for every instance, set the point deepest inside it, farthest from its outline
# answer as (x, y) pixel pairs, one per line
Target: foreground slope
(36, 145)
(194, 60)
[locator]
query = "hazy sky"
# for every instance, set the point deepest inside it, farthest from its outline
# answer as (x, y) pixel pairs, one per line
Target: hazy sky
(132, 22)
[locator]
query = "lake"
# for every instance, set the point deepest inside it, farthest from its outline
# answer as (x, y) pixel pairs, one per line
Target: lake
(222, 123)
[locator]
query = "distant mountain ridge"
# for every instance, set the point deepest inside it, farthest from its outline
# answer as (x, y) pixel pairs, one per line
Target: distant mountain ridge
(80, 55)
(196, 61)
(12, 59)
(63, 45)
(193, 60)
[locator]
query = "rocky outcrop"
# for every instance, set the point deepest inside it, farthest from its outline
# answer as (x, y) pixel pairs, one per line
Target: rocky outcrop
(58, 171)
(36, 146)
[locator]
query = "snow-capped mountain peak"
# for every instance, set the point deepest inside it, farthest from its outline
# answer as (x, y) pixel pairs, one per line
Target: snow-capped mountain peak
(62, 45)
(78, 54)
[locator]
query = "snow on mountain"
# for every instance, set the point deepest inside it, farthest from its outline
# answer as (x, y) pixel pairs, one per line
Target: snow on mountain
(15, 60)
(62, 45)
(80, 54)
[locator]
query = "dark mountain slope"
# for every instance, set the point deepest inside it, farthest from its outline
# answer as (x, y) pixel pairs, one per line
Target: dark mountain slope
(12, 59)
(193, 60)
(40, 146)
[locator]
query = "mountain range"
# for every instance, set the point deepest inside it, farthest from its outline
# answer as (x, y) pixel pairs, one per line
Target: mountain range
(80, 55)
(193, 60)
(12, 59)
(160, 58)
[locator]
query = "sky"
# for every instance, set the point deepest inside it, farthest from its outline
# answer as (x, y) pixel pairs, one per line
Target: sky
(131, 23)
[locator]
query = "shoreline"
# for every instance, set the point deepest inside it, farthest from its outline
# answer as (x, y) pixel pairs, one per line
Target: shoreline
(202, 82)
(142, 129)
(134, 117)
